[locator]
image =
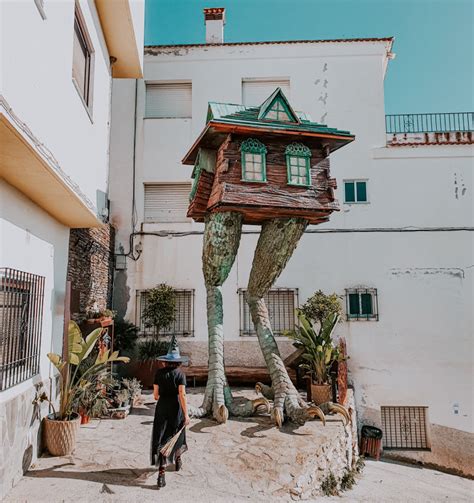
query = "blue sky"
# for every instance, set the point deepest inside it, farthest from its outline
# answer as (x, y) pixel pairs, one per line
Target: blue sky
(434, 39)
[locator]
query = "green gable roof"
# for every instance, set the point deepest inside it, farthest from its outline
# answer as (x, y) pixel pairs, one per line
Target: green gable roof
(275, 97)
(231, 113)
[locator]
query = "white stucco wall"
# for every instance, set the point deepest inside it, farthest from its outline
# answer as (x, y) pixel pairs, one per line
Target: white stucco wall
(420, 351)
(37, 84)
(34, 242)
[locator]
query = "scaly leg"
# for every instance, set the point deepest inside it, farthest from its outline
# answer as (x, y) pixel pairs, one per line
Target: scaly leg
(221, 242)
(277, 242)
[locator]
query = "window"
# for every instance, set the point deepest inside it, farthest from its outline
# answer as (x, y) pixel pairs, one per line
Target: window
(166, 202)
(355, 191)
(21, 317)
(184, 323)
(362, 304)
(169, 101)
(82, 60)
(405, 428)
(298, 158)
(253, 161)
(278, 112)
(256, 91)
(281, 304)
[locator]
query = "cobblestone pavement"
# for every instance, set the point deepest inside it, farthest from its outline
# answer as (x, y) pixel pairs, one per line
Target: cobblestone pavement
(222, 465)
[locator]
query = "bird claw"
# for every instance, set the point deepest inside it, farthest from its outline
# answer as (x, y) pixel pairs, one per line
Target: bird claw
(335, 408)
(315, 411)
(261, 402)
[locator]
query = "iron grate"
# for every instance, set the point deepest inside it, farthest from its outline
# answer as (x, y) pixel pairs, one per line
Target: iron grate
(183, 326)
(281, 304)
(405, 428)
(21, 317)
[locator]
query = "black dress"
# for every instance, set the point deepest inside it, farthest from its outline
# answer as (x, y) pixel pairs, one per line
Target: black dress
(169, 417)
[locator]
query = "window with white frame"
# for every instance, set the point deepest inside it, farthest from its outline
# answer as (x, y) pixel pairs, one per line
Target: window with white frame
(183, 326)
(83, 59)
(168, 100)
(166, 202)
(298, 161)
(355, 191)
(253, 160)
(405, 428)
(21, 316)
(281, 304)
(256, 91)
(362, 304)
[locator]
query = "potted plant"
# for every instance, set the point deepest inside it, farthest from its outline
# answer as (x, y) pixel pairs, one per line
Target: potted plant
(135, 388)
(160, 308)
(60, 427)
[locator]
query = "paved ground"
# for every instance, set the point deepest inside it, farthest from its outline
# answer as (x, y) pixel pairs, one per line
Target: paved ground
(111, 465)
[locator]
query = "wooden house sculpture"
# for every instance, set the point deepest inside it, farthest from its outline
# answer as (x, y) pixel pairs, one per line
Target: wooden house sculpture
(267, 166)
(264, 162)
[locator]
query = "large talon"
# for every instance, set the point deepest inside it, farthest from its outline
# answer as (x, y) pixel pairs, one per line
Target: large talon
(262, 402)
(221, 414)
(315, 411)
(335, 407)
(263, 389)
(278, 416)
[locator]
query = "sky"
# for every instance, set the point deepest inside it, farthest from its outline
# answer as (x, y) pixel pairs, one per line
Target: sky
(434, 39)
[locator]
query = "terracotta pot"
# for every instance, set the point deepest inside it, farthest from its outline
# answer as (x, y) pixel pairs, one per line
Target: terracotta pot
(321, 393)
(60, 436)
(85, 418)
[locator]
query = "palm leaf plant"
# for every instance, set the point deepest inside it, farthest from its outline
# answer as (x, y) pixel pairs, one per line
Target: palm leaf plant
(319, 351)
(73, 381)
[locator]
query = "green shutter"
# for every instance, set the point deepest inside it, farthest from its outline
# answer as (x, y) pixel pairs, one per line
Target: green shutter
(350, 192)
(354, 308)
(361, 192)
(366, 301)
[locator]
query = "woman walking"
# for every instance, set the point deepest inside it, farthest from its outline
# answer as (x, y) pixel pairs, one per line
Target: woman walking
(171, 413)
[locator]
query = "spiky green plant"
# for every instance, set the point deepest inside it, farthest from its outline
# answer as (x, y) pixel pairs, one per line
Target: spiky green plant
(319, 350)
(72, 381)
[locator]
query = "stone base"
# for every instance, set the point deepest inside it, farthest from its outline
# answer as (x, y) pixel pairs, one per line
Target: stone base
(245, 352)
(20, 431)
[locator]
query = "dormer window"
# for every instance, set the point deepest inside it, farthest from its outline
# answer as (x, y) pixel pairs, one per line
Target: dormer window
(278, 112)
(277, 108)
(253, 161)
(298, 158)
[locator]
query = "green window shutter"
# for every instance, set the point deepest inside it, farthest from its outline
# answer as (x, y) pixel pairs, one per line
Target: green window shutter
(366, 301)
(354, 307)
(361, 191)
(349, 192)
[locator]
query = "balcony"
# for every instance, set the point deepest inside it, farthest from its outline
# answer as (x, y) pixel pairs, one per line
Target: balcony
(430, 129)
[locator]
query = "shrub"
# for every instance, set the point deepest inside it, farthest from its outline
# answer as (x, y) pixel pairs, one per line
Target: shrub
(329, 485)
(125, 335)
(320, 306)
(159, 312)
(150, 349)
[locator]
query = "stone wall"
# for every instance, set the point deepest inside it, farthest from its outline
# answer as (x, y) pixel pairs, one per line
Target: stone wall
(20, 441)
(91, 268)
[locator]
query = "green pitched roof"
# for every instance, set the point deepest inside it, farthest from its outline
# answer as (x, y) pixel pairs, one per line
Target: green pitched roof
(277, 96)
(230, 113)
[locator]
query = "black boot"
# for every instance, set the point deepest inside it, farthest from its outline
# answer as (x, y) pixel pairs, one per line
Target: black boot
(161, 479)
(178, 463)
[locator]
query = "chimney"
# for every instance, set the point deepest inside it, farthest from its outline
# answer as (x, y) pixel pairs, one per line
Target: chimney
(214, 19)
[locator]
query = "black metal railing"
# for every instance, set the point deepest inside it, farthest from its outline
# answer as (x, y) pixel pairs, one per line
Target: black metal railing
(430, 123)
(21, 316)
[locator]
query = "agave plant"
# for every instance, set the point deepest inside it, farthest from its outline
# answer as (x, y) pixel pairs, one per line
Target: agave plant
(319, 351)
(73, 384)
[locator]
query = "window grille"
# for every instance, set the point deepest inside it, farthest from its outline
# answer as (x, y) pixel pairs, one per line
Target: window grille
(405, 428)
(281, 304)
(183, 326)
(21, 316)
(362, 304)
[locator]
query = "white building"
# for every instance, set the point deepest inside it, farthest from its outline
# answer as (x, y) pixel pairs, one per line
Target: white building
(55, 105)
(400, 251)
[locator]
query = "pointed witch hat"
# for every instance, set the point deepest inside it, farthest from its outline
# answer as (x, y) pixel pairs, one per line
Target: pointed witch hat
(173, 354)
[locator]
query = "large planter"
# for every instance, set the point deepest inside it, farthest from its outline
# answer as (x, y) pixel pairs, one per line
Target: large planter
(320, 393)
(60, 436)
(143, 371)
